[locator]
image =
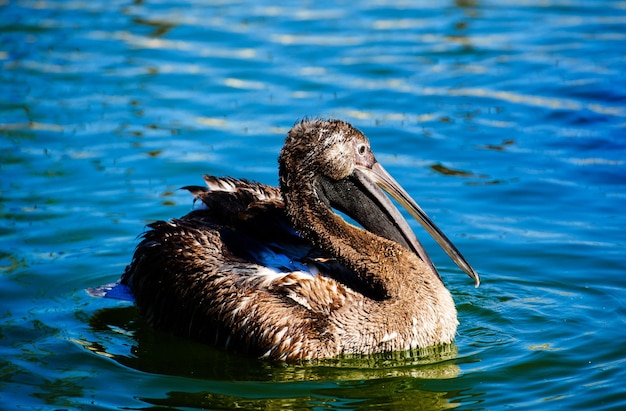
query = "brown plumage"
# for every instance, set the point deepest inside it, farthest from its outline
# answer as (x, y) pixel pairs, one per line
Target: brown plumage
(278, 274)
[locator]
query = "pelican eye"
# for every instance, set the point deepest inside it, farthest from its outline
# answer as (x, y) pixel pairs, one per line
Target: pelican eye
(362, 149)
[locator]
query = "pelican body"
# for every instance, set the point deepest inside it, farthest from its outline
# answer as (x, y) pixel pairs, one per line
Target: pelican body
(278, 274)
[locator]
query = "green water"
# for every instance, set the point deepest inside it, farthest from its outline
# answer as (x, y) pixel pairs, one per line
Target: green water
(506, 122)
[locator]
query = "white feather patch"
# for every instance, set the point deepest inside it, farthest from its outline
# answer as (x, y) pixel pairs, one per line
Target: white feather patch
(221, 184)
(388, 337)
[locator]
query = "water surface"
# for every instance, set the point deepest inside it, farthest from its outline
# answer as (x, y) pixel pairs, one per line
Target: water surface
(506, 122)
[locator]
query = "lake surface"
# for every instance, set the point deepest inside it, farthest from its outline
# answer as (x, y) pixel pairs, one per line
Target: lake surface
(505, 120)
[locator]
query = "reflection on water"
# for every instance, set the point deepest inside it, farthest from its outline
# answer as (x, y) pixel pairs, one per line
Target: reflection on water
(388, 393)
(157, 352)
(245, 382)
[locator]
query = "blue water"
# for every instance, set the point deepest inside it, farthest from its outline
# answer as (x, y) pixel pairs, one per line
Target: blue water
(505, 120)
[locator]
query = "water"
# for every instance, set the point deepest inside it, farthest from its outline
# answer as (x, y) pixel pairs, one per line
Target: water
(506, 122)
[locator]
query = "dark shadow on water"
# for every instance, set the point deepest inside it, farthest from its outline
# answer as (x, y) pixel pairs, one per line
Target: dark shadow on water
(398, 380)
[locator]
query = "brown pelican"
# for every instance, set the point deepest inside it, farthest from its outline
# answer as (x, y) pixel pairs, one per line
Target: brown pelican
(278, 274)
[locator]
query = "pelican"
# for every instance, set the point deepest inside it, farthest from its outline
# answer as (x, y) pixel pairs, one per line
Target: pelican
(278, 274)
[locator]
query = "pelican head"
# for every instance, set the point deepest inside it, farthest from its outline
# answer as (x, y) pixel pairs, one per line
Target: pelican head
(345, 175)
